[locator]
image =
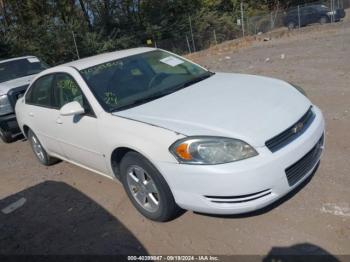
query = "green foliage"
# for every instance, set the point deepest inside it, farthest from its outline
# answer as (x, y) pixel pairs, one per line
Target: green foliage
(45, 28)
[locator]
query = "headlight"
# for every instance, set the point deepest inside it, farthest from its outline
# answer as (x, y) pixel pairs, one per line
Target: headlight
(5, 106)
(300, 89)
(211, 150)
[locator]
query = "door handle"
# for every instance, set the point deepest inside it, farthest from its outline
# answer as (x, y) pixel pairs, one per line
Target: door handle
(59, 121)
(31, 114)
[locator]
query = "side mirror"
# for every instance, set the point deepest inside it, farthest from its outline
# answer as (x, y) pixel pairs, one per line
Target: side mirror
(71, 109)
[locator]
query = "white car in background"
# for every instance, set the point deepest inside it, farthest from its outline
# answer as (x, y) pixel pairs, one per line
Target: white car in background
(175, 134)
(15, 76)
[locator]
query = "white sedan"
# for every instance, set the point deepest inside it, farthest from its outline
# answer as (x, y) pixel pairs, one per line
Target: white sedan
(175, 134)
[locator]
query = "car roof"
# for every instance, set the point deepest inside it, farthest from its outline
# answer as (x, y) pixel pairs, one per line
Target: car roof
(106, 57)
(295, 9)
(17, 58)
(320, 5)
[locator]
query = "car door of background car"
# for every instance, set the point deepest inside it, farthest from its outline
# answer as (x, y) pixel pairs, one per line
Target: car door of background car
(42, 114)
(77, 134)
(308, 16)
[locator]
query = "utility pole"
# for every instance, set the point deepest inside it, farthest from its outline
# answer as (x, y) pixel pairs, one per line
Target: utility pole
(271, 22)
(333, 10)
(299, 17)
(188, 45)
(216, 41)
(75, 44)
(242, 17)
(194, 47)
(155, 42)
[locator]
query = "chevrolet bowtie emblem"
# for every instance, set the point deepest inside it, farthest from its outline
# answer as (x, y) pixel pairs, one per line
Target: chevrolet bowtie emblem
(297, 128)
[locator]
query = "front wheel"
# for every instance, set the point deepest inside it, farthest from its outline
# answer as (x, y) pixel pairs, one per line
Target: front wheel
(39, 150)
(323, 20)
(147, 189)
(6, 136)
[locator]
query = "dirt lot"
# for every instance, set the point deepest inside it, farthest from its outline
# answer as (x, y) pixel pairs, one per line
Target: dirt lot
(71, 211)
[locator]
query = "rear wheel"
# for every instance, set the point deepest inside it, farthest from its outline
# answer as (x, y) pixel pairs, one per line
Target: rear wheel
(147, 189)
(39, 150)
(291, 25)
(6, 136)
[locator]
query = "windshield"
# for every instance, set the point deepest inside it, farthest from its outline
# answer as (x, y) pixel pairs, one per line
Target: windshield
(20, 68)
(137, 79)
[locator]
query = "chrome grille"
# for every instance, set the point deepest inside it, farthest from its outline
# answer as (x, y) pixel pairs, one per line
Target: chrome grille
(287, 136)
(299, 169)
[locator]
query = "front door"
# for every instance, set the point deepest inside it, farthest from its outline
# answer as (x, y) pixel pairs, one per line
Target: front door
(78, 134)
(308, 16)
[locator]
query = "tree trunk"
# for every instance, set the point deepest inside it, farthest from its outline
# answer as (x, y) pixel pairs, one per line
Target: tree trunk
(81, 2)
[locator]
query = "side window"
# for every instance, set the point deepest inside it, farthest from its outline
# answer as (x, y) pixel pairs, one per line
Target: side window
(66, 90)
(40, 92)
(308, 11)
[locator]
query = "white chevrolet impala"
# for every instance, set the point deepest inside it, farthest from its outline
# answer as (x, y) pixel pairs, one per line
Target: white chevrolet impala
(175, 134)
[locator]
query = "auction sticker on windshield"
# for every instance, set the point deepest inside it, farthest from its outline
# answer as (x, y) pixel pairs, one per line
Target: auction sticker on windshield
(172, 61)
(33, 60)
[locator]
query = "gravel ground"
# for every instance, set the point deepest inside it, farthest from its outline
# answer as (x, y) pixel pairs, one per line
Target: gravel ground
(68, 210)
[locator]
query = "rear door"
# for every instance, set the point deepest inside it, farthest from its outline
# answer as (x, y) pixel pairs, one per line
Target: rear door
(42, 113)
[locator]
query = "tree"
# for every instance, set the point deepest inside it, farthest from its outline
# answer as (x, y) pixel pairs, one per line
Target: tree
(44, 28)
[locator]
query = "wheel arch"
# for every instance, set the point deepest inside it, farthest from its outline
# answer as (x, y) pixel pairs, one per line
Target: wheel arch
(295, 22)
(119, 152)
(324, 16)
(25, 130)
(116, 158)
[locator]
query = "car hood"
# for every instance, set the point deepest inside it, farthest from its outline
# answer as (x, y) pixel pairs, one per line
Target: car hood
(8, 85)
(246, 107)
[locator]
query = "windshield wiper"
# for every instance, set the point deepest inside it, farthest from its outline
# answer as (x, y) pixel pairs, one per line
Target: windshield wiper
(193, 81)
(140, 101)
(161, 94)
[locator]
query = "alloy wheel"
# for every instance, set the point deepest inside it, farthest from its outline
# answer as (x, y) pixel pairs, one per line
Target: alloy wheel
(38, 149)
(143, 188)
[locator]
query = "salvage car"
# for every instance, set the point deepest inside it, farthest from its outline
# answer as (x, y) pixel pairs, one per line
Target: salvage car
(175, 134)
(310, 14)
(15, 76)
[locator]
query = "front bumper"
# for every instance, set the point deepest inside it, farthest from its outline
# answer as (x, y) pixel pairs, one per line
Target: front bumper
(9, 124)
(242, 186)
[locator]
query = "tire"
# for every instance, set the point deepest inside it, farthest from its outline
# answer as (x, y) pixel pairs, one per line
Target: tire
(291, 25)
(6, 136)
(39, 150)
(154, 188)
(323, 20)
